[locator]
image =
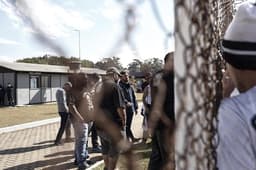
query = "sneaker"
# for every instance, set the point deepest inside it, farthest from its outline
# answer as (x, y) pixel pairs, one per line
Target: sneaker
(58, 143)
(75, 162)
(96, 149)
(89, 162)
(134, 140)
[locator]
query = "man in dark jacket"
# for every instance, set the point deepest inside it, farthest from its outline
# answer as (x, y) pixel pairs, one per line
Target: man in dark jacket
(130, 102)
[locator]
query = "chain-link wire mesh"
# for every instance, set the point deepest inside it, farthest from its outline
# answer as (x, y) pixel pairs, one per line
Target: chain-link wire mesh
(200, 26)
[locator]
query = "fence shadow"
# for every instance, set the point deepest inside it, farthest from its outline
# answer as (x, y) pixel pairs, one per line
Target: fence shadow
(44, 142)
(52, 162)
(24, 149)
(71, 152)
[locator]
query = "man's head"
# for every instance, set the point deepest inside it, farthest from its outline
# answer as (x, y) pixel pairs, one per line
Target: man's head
(79, 81)
(93, 78)
(168, 61)
(67, 86)
(239, 45)
(113, 73)
(148, 76)
(124, 76)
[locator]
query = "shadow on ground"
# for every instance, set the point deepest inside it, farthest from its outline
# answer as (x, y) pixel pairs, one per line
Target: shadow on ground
(24, 149)
(44, 142)
(71, 152)
(59, 163)
(52, 162)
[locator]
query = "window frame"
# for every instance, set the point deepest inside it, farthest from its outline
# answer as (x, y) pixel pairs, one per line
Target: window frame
(37, 83)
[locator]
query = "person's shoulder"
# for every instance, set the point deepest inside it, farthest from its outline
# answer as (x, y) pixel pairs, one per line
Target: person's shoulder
(109, 83)
(244, 100)
(239, 106)
(60, 90)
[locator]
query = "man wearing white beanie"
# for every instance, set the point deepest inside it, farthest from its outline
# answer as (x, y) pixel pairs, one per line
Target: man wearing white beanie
(237, 115)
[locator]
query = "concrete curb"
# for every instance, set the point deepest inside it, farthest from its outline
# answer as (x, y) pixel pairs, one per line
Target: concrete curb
(29, 125)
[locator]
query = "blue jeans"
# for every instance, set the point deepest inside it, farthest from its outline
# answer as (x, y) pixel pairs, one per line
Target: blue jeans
(81, 138)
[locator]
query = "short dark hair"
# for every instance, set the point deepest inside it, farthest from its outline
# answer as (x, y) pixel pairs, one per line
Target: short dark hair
(78, 80)
(167, 56)
(68, 84)
(123, 72)
(94, 77)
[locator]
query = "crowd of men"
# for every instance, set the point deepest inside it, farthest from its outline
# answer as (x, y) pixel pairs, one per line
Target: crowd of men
(113, 104)
(105, 106)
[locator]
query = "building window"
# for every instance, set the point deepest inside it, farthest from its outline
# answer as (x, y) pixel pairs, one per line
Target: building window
(34, 82)
(45, 82)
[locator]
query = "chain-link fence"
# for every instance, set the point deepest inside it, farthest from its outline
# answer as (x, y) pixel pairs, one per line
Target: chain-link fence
(200, 25)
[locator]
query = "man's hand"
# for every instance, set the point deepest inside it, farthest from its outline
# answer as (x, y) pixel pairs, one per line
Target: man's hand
(129, 104)
(136, 112)
(155, 116)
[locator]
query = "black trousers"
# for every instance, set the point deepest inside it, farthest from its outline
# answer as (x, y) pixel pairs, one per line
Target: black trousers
(1, 100)
(65, 125)
(95, 142)
(158, 157)
(129, 117)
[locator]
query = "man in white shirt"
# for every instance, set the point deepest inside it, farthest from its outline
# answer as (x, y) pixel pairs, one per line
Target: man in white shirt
(237, 115)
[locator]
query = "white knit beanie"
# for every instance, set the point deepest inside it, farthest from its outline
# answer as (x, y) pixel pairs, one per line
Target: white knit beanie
(239, 44)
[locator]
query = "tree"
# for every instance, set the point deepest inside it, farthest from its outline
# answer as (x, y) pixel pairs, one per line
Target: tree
(149, 65)
(135, 66)
(109, 62)
(153, 65)
(87, 63)
(55, 60)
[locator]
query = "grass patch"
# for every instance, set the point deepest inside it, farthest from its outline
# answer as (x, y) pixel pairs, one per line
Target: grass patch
(141, 153)
(23, 114)
(10, 116)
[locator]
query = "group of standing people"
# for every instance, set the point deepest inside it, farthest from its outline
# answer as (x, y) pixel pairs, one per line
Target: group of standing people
(6, 93)
(107, 105)
(236, 116)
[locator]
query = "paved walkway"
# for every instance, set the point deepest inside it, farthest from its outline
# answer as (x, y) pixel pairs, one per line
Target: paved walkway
(32, 148)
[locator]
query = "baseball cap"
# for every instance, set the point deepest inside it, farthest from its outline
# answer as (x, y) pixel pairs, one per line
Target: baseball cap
(112, 70)
(239, 43)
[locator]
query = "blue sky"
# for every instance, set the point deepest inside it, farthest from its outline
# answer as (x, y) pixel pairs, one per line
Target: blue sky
(101, 24)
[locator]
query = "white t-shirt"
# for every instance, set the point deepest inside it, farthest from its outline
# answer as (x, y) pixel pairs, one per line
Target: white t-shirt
(237, 132)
